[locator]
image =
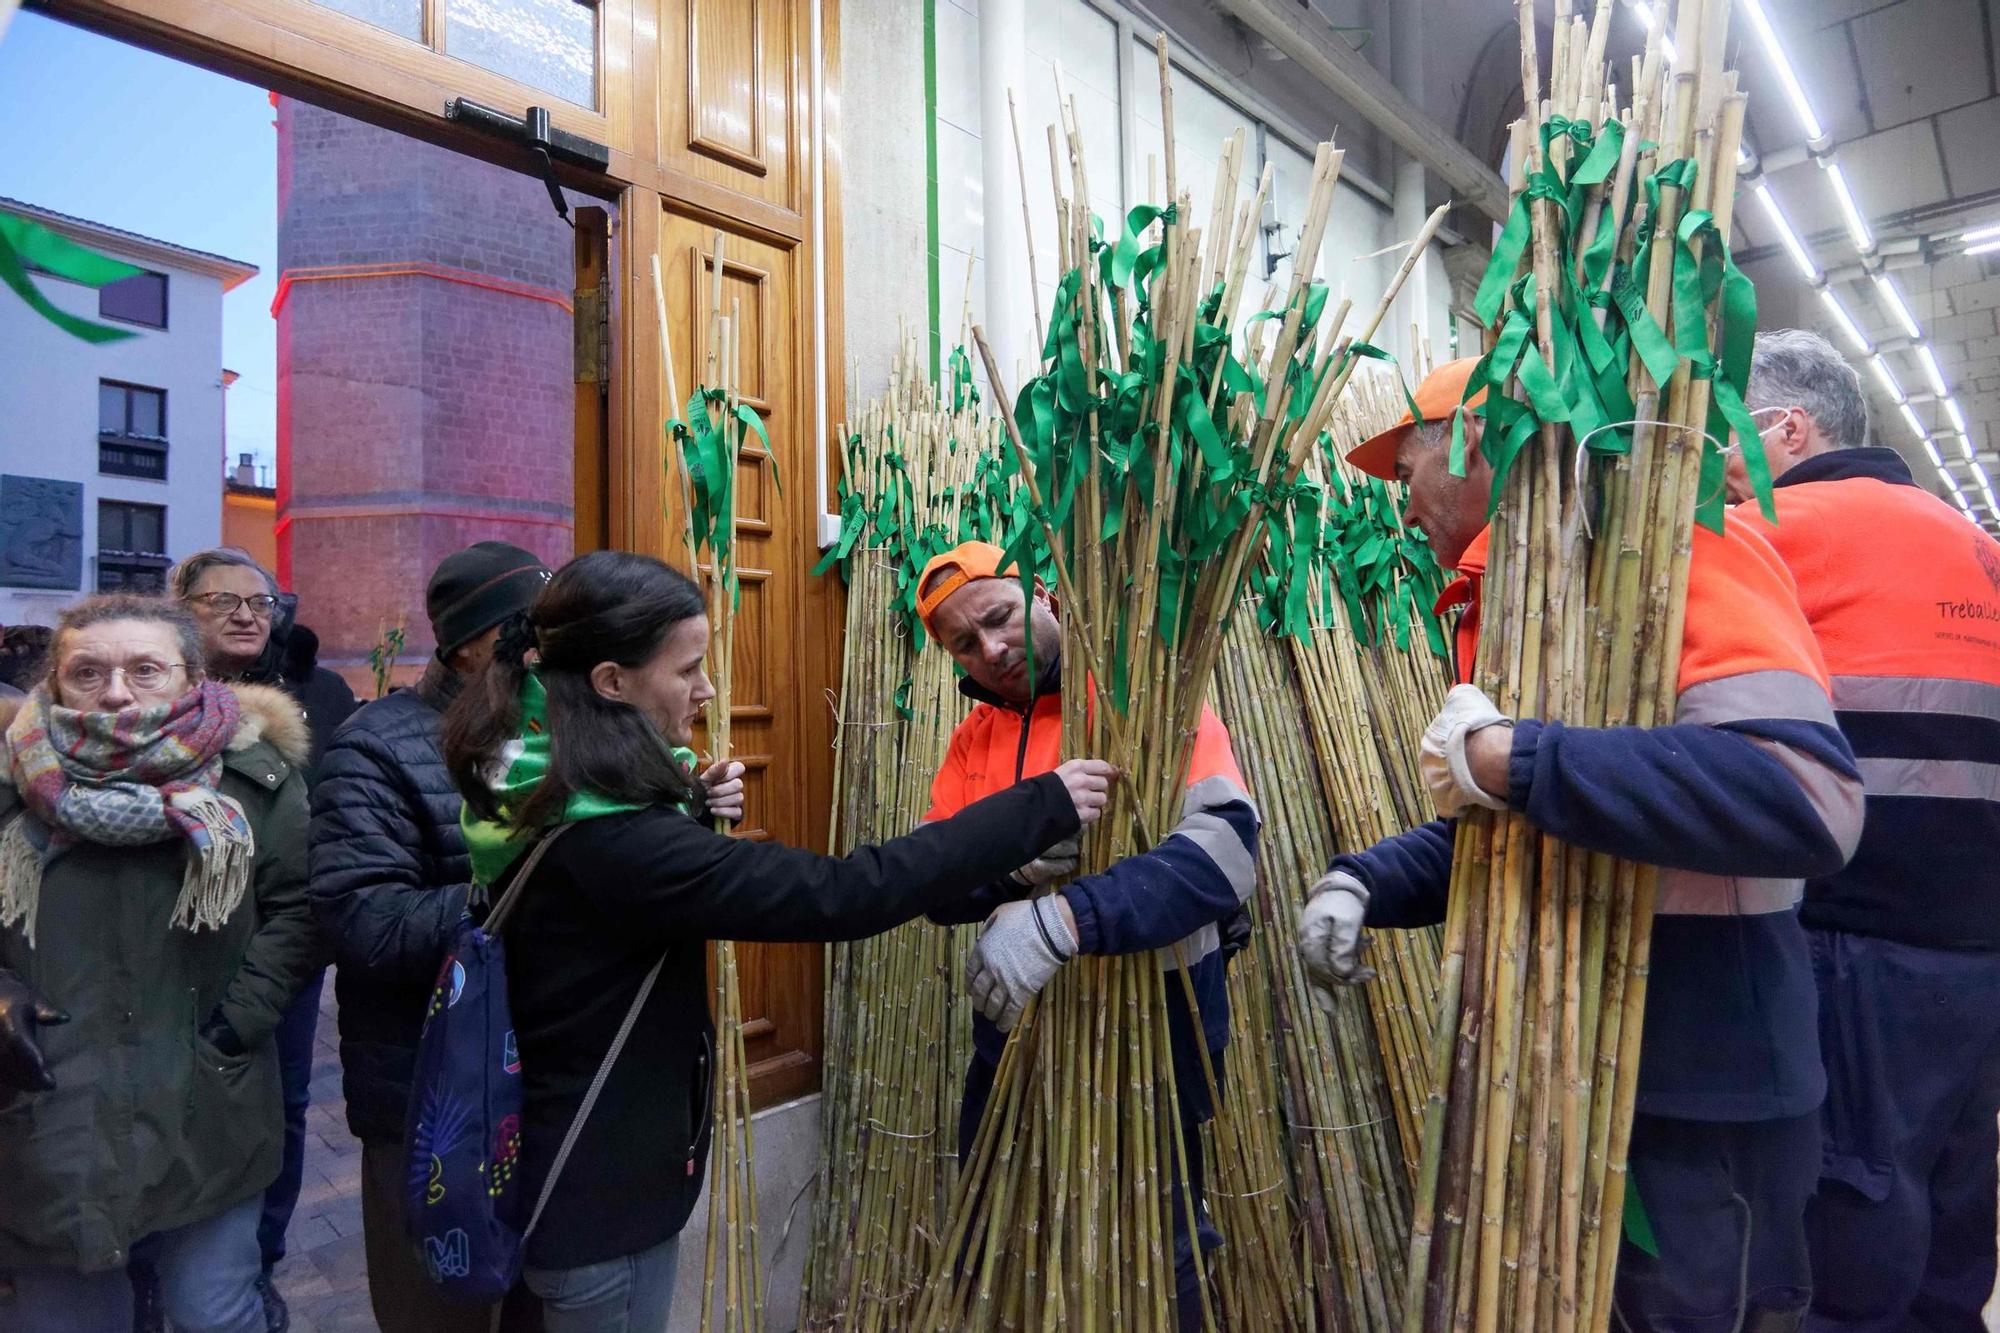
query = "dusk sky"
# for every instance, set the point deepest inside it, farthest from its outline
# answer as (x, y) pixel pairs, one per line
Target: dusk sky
(124, 137)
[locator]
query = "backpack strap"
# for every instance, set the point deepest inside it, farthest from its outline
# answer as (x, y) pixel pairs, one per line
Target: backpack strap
(497, 919)
(590, 1097)
(524, 869)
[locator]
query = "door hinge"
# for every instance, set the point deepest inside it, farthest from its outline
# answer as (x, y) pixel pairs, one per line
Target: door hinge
(593, 333)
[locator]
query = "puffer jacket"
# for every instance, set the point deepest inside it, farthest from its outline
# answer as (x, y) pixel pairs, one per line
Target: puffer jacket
(149, 1126)
(388, 881)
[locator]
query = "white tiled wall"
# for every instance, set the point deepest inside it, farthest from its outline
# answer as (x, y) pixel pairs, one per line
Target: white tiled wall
(1085, 44)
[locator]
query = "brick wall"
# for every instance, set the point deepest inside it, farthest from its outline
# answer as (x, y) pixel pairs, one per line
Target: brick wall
(417, 413)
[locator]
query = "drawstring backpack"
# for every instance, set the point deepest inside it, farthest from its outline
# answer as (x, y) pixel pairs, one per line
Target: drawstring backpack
(462, 1135)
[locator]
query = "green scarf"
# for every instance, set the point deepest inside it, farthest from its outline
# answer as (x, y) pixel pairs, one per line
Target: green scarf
(494, 844)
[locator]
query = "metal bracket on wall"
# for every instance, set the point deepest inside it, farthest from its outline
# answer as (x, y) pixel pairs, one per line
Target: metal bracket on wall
(533, 131)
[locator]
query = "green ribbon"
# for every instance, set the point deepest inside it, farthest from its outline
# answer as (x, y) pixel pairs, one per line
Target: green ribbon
(26, 245)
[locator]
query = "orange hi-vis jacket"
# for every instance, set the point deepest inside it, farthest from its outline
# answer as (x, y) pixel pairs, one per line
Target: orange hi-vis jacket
(1904, 595)
(1748, 791)
(1172, 899)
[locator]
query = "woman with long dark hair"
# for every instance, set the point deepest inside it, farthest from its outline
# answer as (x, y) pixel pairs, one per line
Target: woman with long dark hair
(578, 722)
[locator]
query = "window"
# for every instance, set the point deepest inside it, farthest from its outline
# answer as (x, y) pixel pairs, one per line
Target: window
(131, 430)
(139, 299)
(131, 547)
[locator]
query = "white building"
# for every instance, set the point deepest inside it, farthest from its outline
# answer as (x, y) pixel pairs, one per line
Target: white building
(111, 454)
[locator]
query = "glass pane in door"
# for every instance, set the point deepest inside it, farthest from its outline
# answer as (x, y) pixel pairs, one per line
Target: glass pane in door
(405, 18)
(549, 44)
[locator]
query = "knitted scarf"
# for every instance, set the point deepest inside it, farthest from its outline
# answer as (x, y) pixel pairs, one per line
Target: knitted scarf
(126, 779)
(494, 844)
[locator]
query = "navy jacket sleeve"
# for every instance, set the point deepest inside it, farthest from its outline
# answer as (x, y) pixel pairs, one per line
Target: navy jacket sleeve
(1774, 798)
(1408, 877)
(1198, 876)
(366, 867)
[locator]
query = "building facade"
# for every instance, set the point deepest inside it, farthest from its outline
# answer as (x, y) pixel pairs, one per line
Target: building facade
(111, 454)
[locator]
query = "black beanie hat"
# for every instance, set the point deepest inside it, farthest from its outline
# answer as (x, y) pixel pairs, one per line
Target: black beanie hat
(475, 589)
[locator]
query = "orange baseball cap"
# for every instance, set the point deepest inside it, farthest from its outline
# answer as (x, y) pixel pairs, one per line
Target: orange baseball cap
(1436, 397)
(967, 561)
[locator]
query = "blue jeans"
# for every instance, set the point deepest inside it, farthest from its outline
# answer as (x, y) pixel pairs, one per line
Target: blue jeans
(294, 1040)
(631, 1294)
(208, 1284)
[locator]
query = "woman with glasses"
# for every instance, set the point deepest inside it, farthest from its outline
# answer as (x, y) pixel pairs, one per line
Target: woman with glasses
(248, 634)
(153, 928)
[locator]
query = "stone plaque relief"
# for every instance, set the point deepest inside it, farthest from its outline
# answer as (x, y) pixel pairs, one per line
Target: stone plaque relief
(41, 533)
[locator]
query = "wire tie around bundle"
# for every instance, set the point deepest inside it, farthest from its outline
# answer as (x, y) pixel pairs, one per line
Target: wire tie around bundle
(875, 1124)
(1341, 1129)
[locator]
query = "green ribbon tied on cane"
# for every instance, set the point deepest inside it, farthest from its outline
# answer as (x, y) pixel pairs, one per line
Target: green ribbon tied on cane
(1598, 320)
(27, 247)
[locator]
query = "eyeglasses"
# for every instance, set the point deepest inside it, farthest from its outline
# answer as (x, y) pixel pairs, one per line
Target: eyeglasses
(225, 603)
(89, 678)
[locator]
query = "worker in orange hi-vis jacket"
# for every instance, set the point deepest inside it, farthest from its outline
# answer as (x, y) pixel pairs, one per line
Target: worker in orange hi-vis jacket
(1746, 793)
(1182, 900)
(1904, 596)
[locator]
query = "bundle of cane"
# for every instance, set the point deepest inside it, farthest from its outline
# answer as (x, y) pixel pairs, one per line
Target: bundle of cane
(1372, 674)
(1150, 459)
(1624, 329)
(919, 465)
(710, 440)
(1342, 639)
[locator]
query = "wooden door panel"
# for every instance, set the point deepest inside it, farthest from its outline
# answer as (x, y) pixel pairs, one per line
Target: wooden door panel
(761, 283)
(736, 117)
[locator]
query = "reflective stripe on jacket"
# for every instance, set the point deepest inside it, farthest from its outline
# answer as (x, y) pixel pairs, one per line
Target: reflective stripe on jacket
(1748, 791)
(1904, 595)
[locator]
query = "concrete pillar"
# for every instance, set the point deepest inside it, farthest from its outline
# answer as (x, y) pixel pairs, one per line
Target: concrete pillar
(1003, 44)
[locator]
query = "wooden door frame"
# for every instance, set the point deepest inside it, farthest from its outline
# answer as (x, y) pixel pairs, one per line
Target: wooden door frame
(301, 49)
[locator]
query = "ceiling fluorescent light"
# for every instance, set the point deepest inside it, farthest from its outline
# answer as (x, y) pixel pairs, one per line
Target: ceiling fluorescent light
(1857, 226)
(1937, 459)
(1807, 268)
(1979, 233)
(1885, 287)
(1888, 378)
(1932, 370)
(1952, 410)
(1983, 248)
(1844, 321)
(1776, 53)
(1914, 421)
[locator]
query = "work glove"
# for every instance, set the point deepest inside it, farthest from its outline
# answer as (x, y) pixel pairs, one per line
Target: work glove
(722, 789)
(1441, 757)
(1330, 935)
(1058, 862)
(1021, 948)
(22, 1068)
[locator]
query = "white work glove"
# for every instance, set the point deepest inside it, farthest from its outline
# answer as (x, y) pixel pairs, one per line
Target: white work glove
(1058, 862)
(1442, 755)
(1021, 948)
(1330, 935)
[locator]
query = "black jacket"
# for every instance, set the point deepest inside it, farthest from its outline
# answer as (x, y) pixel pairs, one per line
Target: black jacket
(291, 662)
(618, 892)
(389, 881)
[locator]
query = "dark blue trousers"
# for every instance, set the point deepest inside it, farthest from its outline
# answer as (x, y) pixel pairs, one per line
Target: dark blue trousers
(1902, 1230)
(1727, 1204)
(294, 1038)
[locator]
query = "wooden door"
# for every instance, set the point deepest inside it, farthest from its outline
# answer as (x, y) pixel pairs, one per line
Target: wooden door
(780, 983)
